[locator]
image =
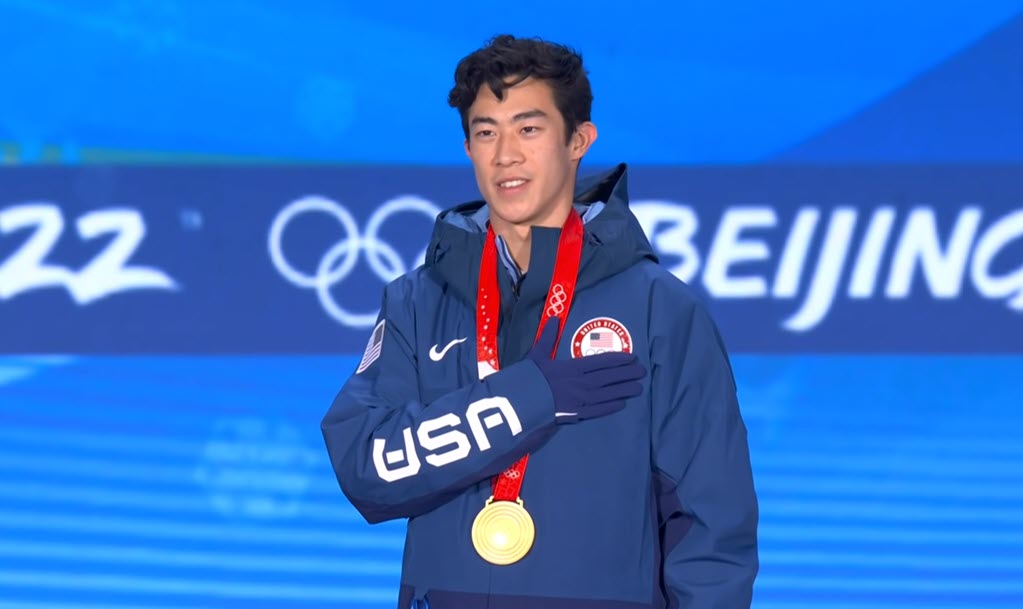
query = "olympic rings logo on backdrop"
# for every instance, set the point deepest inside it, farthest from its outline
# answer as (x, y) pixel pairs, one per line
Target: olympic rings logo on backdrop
(340, 259)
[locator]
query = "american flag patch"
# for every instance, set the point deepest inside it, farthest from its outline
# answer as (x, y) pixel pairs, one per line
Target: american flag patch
(373, 347)
(601, 335)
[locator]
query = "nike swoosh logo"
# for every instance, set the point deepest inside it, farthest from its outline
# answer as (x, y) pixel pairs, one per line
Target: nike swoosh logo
(436, 355)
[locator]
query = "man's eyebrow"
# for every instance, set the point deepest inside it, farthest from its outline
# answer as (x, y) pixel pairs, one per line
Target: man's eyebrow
(521, 116)
(477, 120)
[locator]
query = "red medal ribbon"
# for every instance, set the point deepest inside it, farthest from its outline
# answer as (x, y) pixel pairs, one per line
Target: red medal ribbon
(488, 307)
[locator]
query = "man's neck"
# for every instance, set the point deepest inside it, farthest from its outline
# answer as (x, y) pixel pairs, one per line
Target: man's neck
(519, 240)
(519, 237)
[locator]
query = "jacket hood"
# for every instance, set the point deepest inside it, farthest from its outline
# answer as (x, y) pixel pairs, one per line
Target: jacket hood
(613, 238)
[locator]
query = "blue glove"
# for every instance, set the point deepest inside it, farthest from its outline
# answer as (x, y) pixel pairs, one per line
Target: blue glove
(586, 387)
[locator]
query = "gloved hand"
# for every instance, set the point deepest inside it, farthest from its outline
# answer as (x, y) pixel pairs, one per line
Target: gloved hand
(586, 387)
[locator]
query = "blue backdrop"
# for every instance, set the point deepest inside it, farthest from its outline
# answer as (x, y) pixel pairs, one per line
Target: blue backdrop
(200, 204)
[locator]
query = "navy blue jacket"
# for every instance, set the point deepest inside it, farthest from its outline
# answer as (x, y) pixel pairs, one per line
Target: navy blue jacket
(650, 507)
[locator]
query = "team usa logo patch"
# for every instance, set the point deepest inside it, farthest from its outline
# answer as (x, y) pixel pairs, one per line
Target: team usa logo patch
(373, 347)
(600, 335)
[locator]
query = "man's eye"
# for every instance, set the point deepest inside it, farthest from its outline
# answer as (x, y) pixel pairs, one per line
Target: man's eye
(530, 129)
(484, 133)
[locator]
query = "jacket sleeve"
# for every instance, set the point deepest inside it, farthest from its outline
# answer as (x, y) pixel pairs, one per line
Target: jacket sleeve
(707, 504)
(396, 457)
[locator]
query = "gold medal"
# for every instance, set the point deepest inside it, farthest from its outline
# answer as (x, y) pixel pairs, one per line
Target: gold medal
(503, 532)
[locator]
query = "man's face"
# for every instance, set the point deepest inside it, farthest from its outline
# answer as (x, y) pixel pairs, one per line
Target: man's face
(524, 167)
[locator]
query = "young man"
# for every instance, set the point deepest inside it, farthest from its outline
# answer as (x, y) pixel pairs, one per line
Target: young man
(614, 475)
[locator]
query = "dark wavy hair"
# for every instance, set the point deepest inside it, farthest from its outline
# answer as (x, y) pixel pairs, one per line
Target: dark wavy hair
(506, 61)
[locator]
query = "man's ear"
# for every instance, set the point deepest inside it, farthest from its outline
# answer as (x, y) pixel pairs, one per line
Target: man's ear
(581, 140)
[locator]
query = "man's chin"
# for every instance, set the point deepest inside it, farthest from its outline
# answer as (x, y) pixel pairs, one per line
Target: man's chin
(510, 216)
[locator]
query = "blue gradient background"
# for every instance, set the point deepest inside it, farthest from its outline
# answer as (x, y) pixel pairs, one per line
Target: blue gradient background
(201, 481)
